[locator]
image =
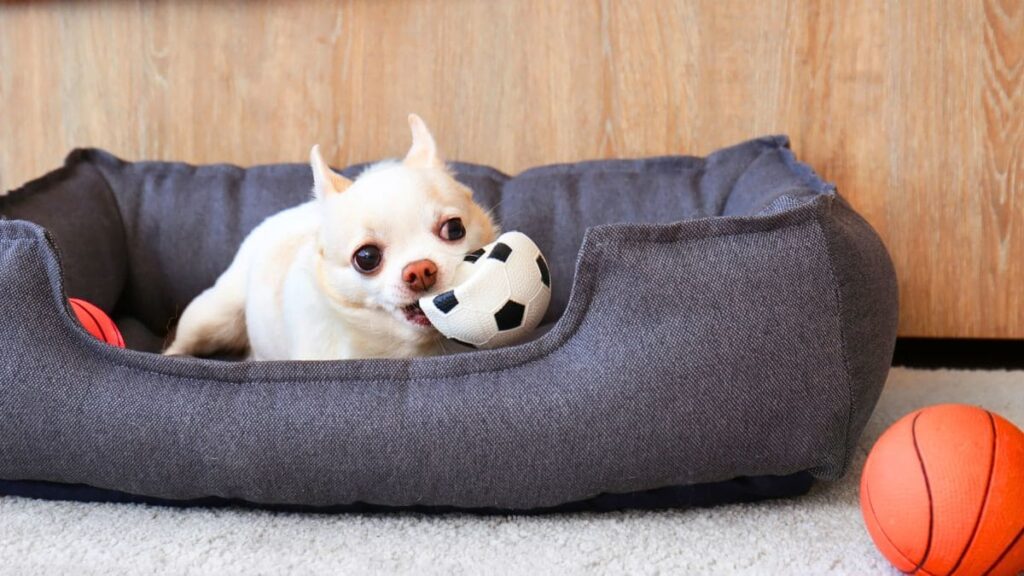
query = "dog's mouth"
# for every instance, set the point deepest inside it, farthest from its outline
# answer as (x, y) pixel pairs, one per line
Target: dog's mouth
(414, 314)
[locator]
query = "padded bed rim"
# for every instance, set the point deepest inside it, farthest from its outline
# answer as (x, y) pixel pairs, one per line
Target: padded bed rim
(587, 271)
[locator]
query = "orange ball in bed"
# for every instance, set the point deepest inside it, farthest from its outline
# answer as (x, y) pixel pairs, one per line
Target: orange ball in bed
(96, 322)
(943, 493)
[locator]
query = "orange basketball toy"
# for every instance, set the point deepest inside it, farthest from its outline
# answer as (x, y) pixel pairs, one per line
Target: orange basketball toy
(96, 322)
(943, 493)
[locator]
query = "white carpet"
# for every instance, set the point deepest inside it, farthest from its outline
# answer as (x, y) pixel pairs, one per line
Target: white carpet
(820, 533)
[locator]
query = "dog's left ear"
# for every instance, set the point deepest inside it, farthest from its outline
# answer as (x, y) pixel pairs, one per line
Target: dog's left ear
(423, 152)
(325, 180)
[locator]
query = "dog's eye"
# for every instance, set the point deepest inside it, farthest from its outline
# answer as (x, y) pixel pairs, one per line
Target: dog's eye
(367, 258)
(452, 230)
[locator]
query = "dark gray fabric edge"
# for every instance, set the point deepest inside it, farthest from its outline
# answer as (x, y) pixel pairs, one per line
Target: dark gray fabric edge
(587, 269)
(864, 277)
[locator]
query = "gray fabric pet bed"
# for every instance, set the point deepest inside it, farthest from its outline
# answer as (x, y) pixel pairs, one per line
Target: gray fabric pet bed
(712, 320)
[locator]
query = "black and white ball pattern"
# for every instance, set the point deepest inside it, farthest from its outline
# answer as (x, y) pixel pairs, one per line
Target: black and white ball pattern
(501, 294)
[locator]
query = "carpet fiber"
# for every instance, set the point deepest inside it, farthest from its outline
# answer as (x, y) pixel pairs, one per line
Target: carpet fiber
(819, 533)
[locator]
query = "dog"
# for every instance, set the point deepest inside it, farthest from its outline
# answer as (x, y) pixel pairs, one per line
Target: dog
(339, 277)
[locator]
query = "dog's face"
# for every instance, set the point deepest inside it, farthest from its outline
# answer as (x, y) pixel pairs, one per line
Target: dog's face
(397, 232)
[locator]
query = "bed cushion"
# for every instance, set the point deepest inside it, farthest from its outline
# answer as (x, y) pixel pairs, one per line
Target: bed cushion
(712, 319)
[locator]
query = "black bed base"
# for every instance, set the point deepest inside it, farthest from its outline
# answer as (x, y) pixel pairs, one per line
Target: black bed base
(743, 489)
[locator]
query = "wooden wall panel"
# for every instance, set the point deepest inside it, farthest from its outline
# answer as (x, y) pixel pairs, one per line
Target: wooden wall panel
(914, 108)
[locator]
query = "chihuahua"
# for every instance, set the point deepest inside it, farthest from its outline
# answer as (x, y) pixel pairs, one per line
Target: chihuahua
(340, 276)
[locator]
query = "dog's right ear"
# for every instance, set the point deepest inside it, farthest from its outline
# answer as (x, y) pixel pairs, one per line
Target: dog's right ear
(423, 152)
(325, 180)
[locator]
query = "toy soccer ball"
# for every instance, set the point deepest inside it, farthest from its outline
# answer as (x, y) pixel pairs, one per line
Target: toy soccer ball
(501, 294)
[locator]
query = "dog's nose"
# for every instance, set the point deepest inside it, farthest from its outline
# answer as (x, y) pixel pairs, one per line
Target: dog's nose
(420, 275)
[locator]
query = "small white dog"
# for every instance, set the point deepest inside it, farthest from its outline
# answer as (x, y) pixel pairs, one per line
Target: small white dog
(340, 276)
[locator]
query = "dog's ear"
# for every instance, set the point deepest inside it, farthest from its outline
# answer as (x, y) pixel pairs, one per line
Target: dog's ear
(423, 152)
(325, 180)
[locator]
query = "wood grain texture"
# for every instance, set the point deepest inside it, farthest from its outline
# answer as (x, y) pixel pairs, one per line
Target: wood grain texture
(914, 108)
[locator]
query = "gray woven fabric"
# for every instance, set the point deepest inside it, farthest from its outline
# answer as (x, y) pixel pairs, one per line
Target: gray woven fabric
(712, 318)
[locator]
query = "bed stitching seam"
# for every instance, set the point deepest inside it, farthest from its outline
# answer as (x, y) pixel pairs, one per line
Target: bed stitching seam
(841, 314)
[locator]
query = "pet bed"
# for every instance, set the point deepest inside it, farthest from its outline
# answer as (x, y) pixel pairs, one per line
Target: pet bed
(717, 325)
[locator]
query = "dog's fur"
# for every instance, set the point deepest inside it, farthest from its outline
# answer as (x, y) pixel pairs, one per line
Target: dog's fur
(293, 291)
